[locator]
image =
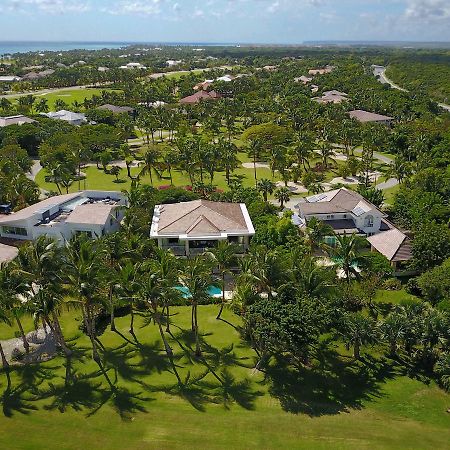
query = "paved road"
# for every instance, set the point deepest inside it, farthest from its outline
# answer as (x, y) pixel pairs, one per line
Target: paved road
(381, 72)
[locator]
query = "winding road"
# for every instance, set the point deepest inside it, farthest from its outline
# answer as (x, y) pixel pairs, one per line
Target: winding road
(380, 71)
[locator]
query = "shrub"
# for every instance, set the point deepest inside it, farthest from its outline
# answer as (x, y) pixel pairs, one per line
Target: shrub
(392, 284)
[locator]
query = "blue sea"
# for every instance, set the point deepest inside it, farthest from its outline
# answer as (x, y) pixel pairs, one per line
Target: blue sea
(11, 47)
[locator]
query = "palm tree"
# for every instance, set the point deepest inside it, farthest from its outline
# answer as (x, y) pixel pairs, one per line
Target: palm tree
(283, 195)
(150, 162)
(195, 277)
(40, 264)
(153, 288)
(346, 253)
(13, 288)
(326, 153)
(167, 266)
(265, 269)
(42, 106)
(266, 187)
(393, 330)
(4, 319)
(316, 230)
(357, 330)
(224, 255)
(302, 149)
(309, 277)
(85, 280)
(254, 149)
(127, 287)
(60, 104)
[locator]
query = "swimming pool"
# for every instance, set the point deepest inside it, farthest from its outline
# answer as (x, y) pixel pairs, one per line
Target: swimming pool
(213, 291)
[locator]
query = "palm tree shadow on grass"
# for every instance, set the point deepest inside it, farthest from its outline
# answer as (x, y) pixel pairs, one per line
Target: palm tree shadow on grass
(230, 391)
(190, 390)
(17, 400)
(332, 388)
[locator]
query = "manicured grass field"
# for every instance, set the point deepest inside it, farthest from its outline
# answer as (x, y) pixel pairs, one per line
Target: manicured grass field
(69, 96)
(337, 407)
(97, 179)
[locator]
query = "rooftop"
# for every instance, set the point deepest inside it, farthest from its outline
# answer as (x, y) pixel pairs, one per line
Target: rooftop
(201, 218)
(15, 120)
(116, 109)
(341, 200)
(81, 207)
(393, 244)
(366, 116)
(199, 96)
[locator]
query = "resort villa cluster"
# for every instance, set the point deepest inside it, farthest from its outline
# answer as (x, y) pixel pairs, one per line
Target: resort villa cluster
(191, 228)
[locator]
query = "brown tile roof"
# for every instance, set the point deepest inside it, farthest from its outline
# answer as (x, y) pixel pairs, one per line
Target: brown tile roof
(199, 96)
(366, 116)
(201, 217)
(333, 202)
(393, 244)
(116, 109)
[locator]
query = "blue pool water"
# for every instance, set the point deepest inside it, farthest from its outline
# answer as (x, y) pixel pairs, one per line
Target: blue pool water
(212, 291)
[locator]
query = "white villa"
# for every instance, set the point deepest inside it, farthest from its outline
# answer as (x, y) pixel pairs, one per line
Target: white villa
(190, 228)
(14, 120)
(94, 213)
(133, 65)
(345, 211)
(67, 116)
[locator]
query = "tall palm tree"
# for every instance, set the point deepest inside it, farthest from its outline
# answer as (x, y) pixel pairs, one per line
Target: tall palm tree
(266, 187)
(152, 290)
(85, 280)
(42, 106)
(346, 253)
(195, 277)
(167, 265)
(13, 288)
(315, 231)
(283, 195)
(4, 319)
(224, 256)
(150, 162)
(357, 330)
(127, 287)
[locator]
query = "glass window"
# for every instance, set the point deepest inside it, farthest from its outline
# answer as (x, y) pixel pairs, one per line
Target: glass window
(15, 231)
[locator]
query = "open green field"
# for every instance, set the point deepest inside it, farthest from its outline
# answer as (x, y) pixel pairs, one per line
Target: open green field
(97, 179)
(69, 95)
(345, 405)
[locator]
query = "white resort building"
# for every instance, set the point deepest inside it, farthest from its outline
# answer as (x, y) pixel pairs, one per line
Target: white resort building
(94, 213)
(190, 228)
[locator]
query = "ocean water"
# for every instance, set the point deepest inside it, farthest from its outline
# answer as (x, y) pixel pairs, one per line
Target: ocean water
(11, 47)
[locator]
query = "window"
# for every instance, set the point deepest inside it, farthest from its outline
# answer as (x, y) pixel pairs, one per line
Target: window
(173, 240)
(111, 221)
(368, 222)
(330, 216)
(15, 231)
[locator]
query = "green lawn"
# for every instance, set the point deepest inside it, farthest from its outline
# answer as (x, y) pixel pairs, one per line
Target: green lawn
(338, 407)
(97, 179)
(70, 95)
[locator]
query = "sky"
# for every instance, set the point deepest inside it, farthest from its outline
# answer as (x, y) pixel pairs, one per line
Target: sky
(225, 21)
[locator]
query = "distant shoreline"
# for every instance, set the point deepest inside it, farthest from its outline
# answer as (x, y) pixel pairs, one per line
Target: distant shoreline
(13, 47)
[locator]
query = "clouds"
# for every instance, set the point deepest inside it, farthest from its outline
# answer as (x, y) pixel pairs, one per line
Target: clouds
(46, 6)
(269, 21)
(428, 11)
